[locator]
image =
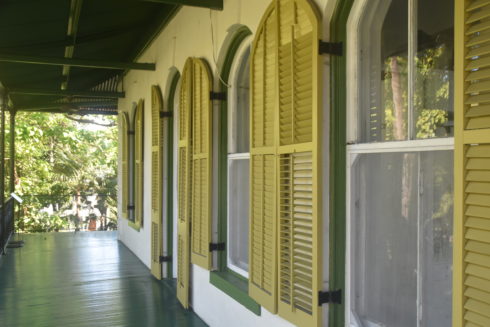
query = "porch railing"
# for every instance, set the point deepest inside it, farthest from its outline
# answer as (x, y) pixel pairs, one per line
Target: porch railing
(66, 212)
(7, 213)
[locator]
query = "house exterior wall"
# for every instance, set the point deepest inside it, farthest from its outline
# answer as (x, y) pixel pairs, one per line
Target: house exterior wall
(189, 35)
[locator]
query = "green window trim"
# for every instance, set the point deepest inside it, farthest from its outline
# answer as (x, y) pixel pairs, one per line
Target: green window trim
(235, 286)
(231, 283)
(134, 225)
(170, 177)
(338, 128)
(125, 144)
(240, 35)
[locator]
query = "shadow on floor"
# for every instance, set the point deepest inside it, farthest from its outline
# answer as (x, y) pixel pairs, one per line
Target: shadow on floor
(84, 279)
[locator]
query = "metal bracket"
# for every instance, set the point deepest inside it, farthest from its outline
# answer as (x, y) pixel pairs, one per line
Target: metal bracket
(165, 114)
(331, 48)
(130, 132)
(217, 246)
(330, 297)
(221, 96)
(130, 207)
(165, 258)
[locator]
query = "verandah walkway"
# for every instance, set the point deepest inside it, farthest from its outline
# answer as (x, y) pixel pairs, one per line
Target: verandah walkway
(84, 279)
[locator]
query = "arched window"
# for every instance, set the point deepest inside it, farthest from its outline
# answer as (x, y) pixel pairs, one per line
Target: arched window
(125, 158)
(238, 161)
(172, 173)
(400, 173)
(138, 155)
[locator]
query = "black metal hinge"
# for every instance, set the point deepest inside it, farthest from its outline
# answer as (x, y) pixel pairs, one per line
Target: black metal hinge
(130, 207)
(165, 258)
(330, 297)
(165, 114)
(221, 96)
(331, 48)
(216, 247)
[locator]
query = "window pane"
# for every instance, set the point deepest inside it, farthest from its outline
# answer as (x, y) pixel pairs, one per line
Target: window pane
(401, 234)
(242, 87)
(435, 73)
(238, 212)
(436, 211)
(384, 76)
(385, 237)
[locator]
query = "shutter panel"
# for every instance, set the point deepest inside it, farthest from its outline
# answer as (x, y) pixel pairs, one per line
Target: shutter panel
(201, 117)
(299, 146)
(124, 164)
(183, 237)
(471, 292)
(156, 181)
(285, 263)
(138, 163)
(262, 237)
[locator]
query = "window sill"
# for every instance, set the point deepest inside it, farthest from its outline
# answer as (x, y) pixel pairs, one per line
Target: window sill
(134, 226)
(235, 287)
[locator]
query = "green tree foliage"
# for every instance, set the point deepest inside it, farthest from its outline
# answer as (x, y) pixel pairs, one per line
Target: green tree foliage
(431, 99)
(58, 161)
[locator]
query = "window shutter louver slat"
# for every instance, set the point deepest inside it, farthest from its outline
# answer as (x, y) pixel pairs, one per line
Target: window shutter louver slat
(477, 47)
(262, 237)
(156, 181)
(183, 237)
(472, 165)
(201, 189)
(124, 164)
(138, 141)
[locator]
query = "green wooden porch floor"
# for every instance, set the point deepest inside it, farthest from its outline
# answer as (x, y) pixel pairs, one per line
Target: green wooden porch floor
(84, 279)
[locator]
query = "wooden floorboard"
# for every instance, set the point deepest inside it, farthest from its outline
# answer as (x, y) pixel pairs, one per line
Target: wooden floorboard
(84, 279)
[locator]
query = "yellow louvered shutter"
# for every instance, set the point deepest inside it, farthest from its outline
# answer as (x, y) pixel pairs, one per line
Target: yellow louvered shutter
(201, 116)
(472, 164)
(124, 164)
(184, 193)
(138, 164)
(285, 232)
(299, 119)
(156, 180)
(262, 237)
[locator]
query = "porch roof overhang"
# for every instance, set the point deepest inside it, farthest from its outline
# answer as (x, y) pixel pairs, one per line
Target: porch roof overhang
(69, 56)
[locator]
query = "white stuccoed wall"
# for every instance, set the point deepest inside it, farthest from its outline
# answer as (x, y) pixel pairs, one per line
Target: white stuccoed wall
(189, 35)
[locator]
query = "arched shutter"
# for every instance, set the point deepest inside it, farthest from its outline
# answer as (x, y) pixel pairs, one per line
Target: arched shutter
(138, 164)
(124, 164)
(184, 193)
(201, 189)
(299, 119)
(262, 237)
(285, 163)
(472, 164)
(156, 180)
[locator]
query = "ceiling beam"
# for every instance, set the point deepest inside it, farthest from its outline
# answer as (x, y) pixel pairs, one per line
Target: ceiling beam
(73, 20)
(211, 4)
(88, 63)
(67, 93)
(71, 105)
(76, 112)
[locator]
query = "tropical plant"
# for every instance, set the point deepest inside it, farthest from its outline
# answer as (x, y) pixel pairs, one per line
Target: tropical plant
(59, 161)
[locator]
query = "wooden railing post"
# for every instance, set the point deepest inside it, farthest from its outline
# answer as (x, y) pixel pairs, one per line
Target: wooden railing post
(4, 232)
(12, 162)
